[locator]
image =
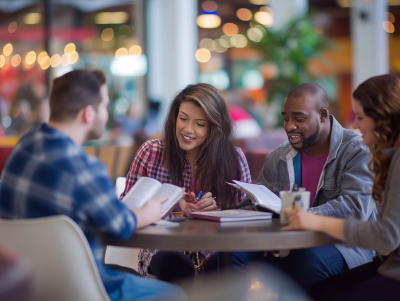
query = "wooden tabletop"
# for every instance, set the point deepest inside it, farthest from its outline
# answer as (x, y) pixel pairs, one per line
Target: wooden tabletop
(194, 234)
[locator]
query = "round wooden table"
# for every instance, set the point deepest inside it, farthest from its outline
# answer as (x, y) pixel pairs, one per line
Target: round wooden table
(194, 234)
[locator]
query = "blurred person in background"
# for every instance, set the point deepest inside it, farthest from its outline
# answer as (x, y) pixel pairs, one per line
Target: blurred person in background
(377, 109)
(198, 154)
(59, 178)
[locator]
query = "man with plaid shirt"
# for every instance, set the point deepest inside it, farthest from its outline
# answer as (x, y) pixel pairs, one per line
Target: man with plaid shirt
(48, 173)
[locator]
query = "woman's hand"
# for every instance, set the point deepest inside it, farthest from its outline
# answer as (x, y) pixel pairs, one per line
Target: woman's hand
(207, 203)
(299, 219)
(302, 220)
(189, 203)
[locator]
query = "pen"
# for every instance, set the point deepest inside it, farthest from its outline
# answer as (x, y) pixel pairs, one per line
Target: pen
(199, 196)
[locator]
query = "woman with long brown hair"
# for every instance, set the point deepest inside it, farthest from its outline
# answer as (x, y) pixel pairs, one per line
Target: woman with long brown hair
(377, 109)
(196, 153)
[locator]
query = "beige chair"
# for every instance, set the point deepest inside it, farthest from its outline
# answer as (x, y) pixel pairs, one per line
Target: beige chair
(62, 262)
(127, 257)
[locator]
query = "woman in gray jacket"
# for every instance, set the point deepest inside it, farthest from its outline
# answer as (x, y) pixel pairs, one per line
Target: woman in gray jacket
(377, 110)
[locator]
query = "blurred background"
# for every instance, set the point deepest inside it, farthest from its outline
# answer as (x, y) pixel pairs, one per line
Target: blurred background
(254, 51)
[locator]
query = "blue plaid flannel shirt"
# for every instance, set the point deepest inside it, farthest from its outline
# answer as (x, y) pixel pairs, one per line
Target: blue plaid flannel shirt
(47, 174)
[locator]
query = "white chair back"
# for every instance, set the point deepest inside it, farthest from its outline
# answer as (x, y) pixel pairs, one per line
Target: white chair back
(127, 257)
(63, 265)
(120, 185)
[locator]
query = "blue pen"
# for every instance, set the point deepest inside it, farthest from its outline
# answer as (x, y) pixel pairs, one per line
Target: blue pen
(199, 196)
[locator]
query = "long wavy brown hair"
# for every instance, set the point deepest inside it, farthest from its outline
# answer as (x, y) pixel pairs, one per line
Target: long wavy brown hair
(217, 160)
(380, 98)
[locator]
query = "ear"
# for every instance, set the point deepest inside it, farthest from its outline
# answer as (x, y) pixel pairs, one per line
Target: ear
(323, 115)
(88, 114)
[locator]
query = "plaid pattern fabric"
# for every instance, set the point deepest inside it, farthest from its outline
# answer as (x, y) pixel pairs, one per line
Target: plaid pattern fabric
(149, 162)
(47, 174)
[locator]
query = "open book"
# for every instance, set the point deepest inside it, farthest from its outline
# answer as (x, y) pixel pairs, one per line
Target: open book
(233, 215)
(147, 188)
(260, 195)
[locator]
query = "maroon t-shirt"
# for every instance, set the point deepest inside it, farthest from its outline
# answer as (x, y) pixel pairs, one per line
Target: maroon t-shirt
(311, 169)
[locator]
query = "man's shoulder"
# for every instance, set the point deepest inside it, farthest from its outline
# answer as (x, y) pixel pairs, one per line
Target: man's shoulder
(352, 142)
(280, 150)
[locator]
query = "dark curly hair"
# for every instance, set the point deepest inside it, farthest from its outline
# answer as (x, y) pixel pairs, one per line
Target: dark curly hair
(380, 98)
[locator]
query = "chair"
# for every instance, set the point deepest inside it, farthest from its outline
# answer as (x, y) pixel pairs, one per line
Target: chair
(127, 257)
(62, 262)
(255, 160)
(116, 158)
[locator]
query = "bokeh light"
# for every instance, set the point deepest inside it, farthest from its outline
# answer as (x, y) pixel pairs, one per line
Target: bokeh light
(265, 18)
(107, 34)
(7, 49)
(207, 44)
(55, 60)
(135, 50)
(390, 17)
(388, 26)
(45, 62)
(208, 21)
(32, 18)
(230, 29)
(2, 60)
(244, 14)
(111, 17)
(73, 57)
(16, 60)
(30, 57)
(124, 31)
(121, 52)
(12, 27)
(41, 56)
(255, 34)
(69, 48)
(219, 47)
(239, 41)
(209, 6)
(258, 2)
(225, 41)
(203, 55)
(64, 60)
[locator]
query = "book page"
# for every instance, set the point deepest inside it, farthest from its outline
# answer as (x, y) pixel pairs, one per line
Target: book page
(141, 192)
(174, 193)
(262, 195)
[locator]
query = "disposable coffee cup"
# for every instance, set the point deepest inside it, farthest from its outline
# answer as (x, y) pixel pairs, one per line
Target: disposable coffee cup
(292, 200)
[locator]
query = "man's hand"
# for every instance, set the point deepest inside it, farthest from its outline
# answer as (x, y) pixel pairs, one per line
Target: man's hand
(150, 212)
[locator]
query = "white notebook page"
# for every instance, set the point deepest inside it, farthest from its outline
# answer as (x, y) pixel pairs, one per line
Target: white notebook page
(172, 192)
(141, 192)
(263, 195)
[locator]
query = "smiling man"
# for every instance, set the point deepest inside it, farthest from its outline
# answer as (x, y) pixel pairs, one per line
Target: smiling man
(331, 163)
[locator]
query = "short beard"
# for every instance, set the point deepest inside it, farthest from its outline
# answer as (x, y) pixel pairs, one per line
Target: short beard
(309, 140)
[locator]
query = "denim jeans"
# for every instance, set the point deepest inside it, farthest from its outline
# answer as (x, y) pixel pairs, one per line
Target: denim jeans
(306, 266)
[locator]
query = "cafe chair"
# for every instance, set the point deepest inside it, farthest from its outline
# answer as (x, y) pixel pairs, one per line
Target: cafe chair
(127, 257)
(62, 262)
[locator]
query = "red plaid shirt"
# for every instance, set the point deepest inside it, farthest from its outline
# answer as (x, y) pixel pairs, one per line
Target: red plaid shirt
(149, 162)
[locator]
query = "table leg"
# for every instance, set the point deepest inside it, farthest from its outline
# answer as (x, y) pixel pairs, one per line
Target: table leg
(224, 260)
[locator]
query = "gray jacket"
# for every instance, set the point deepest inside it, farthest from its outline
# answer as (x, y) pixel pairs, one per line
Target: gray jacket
(344, 187)
(384, 234)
